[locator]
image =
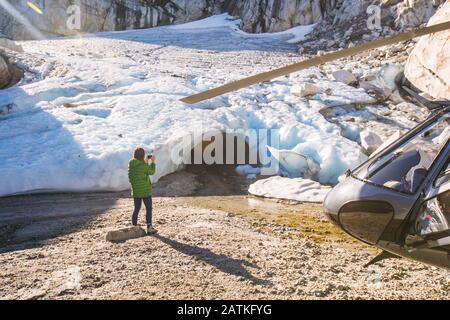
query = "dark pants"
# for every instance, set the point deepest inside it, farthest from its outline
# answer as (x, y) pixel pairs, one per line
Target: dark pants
(137, 208)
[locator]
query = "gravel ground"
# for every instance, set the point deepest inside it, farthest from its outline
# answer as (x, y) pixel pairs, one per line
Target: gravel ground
(54, 247)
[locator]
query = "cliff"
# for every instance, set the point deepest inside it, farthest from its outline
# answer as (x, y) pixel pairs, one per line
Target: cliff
(256, 15)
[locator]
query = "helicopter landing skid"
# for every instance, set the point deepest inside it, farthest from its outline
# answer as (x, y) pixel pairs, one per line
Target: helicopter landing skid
(382, 256)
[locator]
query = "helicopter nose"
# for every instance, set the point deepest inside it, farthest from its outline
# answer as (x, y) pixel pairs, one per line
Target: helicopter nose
(331, 211)
(333, 218)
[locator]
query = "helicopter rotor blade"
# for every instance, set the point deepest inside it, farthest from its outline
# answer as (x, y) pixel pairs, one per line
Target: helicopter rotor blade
(318, 60)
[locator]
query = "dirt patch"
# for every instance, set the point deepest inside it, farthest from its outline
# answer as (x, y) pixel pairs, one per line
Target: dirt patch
(290, 219)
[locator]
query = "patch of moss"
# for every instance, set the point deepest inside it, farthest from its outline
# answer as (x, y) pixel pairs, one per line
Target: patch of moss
(302, 219)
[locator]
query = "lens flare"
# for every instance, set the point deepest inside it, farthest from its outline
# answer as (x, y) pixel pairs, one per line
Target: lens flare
(21, 19)
(35, 8)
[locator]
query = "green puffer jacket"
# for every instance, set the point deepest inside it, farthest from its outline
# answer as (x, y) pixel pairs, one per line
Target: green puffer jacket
(138, 175)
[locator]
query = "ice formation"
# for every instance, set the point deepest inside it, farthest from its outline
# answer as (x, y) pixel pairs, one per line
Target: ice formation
(298, 189)
(101, 95)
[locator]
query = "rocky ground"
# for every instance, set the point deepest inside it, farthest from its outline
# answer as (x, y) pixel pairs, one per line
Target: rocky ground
(209, 246)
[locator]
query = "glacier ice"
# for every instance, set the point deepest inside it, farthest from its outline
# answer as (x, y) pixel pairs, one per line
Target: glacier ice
(298, 189)
(104, 94)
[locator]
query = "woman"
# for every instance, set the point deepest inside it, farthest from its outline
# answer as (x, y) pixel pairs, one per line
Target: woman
(140, 168)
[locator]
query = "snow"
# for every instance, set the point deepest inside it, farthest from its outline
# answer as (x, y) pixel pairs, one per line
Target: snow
(217, 21)
(226, 21)
(299, 32)
(298, 189)
(100, 96)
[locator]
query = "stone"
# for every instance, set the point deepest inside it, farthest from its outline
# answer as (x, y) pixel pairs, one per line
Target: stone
(396, 98)
(391, 139)
(125, 234)
(9, 44)
(305, 89)
(344, 77)
(370, 141)
(5, 75)
(428, 66)
(381, 94)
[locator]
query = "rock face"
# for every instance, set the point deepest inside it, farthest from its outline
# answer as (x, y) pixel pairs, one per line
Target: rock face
(256, 15)
(428, 66)
(413, 12)
(278, 15)
(103, 15)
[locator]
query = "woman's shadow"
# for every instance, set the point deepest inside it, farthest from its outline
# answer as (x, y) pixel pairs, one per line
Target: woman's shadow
(219, 261)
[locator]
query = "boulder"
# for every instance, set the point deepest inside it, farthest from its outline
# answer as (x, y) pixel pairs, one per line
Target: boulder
(391, 139)
(5, 75)
(125, 234)
(9, 44)
(381, 94)
(428, 66)
(370, 141)
(383, 84)
(345, 77)
(305, 89)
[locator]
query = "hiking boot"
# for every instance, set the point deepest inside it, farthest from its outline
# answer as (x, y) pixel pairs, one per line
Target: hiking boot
(151, 230)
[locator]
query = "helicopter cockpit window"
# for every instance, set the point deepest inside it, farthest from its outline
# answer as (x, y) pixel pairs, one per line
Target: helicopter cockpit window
(434, 215)
(444, 176)
(405, 168)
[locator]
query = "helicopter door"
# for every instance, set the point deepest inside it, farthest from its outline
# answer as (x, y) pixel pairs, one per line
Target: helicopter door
(432, 224)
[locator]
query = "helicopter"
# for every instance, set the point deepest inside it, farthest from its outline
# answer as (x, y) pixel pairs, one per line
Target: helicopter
(399, 199)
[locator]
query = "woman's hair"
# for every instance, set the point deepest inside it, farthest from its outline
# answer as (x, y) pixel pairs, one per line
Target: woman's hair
(139, 153)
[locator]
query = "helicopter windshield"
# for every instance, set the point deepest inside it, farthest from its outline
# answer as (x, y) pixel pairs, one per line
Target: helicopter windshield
(405, 168)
